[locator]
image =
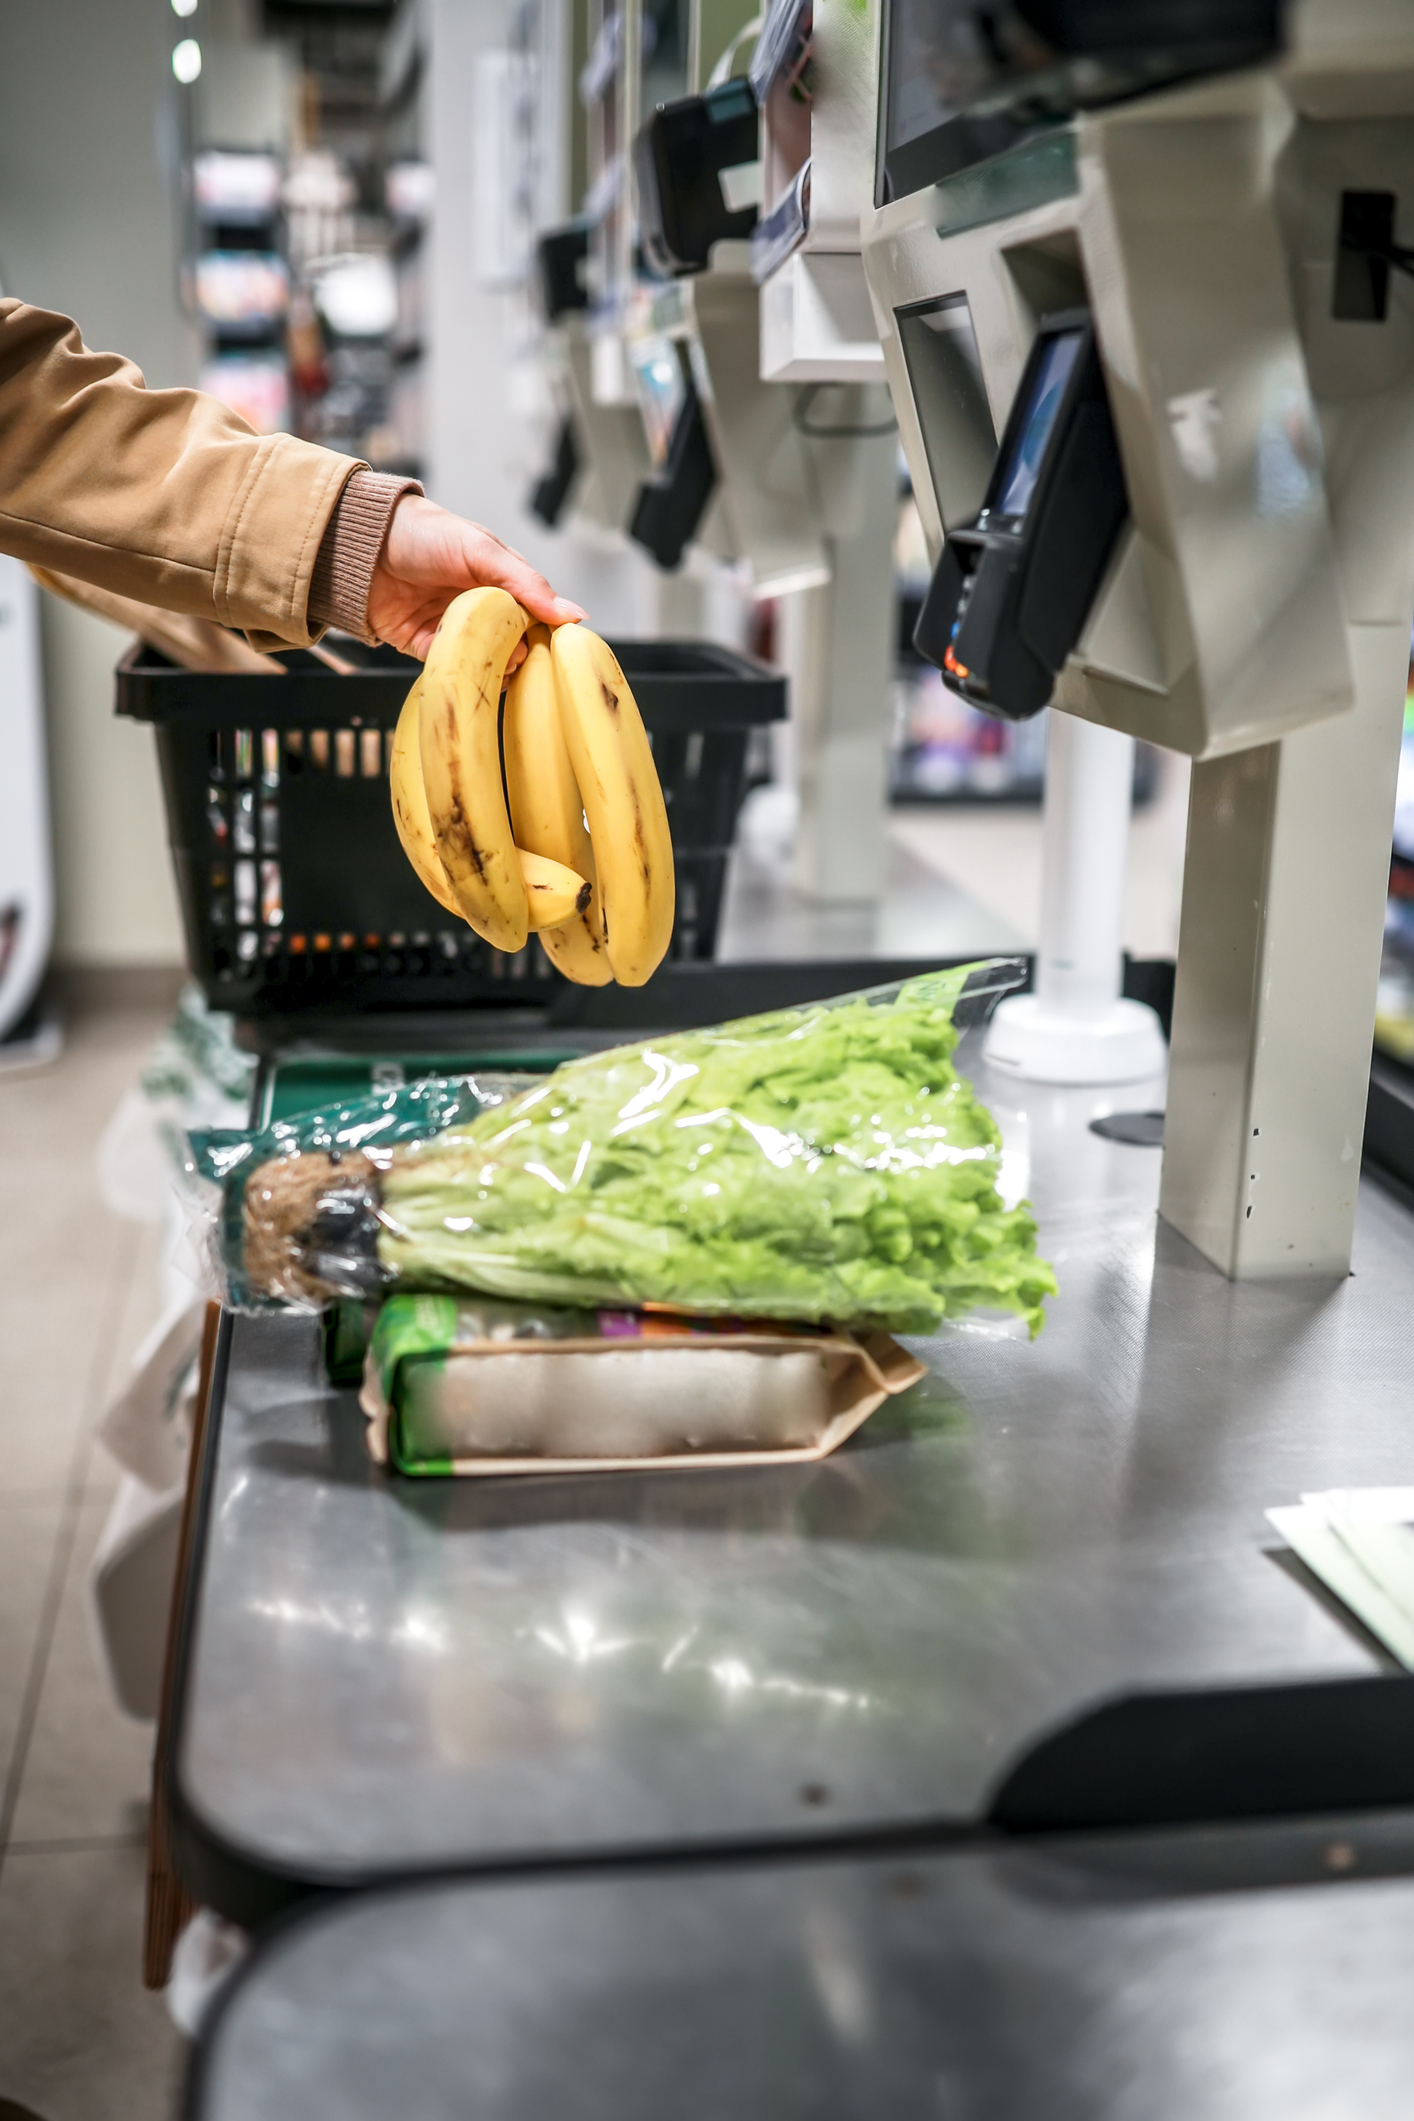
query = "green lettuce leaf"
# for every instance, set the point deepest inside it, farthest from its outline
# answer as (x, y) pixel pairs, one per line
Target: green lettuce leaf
(826, 1162)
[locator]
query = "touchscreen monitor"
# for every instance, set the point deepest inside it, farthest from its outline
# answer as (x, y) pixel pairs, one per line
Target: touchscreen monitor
(965, 80)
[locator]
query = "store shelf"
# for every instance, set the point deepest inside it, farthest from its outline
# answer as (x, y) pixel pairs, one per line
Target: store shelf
(1252, 1974)
(242, 284)
(1043, 1585)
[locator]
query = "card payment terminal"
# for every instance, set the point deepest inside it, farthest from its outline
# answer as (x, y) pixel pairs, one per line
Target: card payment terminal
(1012, 589)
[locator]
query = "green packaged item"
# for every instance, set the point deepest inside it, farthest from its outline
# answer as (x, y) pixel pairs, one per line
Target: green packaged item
(469, 1385)
(348, 1325)
(820, 1163)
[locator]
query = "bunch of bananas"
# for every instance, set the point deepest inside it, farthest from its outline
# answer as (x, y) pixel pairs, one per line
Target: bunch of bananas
(583, 856)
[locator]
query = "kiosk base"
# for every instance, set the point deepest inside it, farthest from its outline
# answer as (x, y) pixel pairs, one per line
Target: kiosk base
(1032, 1039)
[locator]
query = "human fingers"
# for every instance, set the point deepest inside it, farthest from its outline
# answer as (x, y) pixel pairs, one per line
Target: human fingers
(429, 547)
(410, 623)
(498, 567)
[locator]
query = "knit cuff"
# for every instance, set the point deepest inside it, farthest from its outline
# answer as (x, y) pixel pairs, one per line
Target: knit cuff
(350, 550)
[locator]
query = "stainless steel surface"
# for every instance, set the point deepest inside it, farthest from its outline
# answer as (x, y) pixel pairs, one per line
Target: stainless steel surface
(1247, 1975)
(390, 1673)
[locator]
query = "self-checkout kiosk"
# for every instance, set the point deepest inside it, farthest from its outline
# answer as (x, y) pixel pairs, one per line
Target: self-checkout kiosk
(817, 157)
(1008, 598)
(600, 456)
(1155, 231)
(785, 373)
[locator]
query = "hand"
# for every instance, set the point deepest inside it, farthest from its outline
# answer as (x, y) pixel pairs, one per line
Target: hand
(429, 556)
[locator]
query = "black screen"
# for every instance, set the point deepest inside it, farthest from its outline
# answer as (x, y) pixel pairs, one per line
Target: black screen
(964, 80)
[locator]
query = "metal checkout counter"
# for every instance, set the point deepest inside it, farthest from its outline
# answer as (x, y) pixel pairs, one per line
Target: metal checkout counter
(1002, 1763)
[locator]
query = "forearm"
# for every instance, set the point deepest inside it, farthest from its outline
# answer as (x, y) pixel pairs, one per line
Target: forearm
(167, 497)
(162, 495)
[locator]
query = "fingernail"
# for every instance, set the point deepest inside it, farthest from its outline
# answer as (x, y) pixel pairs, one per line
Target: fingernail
(568, 612)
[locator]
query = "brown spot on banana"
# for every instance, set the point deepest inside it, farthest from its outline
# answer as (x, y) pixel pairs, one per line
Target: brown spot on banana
(454, 829)
(581, 904)
(611, 699)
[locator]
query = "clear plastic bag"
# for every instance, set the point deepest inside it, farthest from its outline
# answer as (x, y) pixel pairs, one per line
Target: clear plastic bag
(821, 1163)
(325, 1156)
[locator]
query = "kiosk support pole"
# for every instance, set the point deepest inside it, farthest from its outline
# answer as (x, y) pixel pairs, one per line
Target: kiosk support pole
(841, 652)
(1075, 1028)
(1279, 955)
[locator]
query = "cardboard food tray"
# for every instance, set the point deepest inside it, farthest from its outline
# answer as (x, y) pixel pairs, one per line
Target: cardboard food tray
(861, 1371)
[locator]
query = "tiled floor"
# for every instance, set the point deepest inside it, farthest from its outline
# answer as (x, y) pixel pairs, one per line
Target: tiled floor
(80, 2039)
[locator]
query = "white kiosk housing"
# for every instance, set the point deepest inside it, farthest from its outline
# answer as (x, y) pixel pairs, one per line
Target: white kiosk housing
(816, 322)
(1257, 343)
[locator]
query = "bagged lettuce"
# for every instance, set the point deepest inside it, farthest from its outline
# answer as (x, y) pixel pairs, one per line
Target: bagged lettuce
(307, 1149)
(821, 1163)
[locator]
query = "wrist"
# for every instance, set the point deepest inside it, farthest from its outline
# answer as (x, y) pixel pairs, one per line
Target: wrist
(350, 550)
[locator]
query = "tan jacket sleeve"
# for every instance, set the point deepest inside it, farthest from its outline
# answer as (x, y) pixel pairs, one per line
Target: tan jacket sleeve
(163, 495)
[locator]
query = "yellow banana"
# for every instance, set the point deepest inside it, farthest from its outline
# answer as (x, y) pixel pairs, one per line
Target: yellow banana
(623, 802)
(547, 812)
(459, 719)
(410, 812)
(555, 894)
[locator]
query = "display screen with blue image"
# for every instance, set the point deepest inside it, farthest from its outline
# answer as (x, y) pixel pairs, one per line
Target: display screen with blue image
(1022, 469)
